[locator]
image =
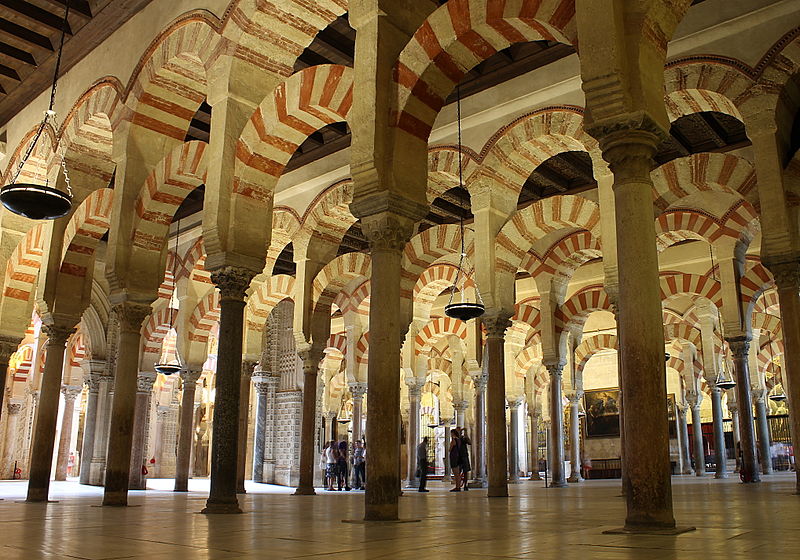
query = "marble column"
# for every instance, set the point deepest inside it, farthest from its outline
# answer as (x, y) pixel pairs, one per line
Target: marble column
(162, 414)
(10, 446)
(232, 283)
(189, 377)
(312, 360)
(764, 443)
(130, 316)
(8, 345)
(513, 441)
(387, 232)
(496, 448)
(720, 451)
(413, 433)
(358, 390)
(734, 408)
(70, 393)
(480, 379)
(262, 384)
(787, 280)
(683, 440)
(144, 389)
(740, 347)
(90, 421)
(628, 145)
(575, 438)
(556, 443)
(105, 402)
(535, 446)
(244, 419)
(44, 431)
(697, 436)
(460, 408)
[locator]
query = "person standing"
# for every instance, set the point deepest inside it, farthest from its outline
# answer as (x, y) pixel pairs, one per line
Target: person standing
(359, 459)
(422, 465)
(341, 462)
(465, 465)
(331, 456)
(455, 458)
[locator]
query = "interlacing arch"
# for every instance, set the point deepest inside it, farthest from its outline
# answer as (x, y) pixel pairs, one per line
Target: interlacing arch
(536, 221)
(335, 275)
(86, 227)
(203, 317)
(443, 168)
(694, 284)
(170, 81)
(591, 346)
(356, 301)
(523, 145)
(437, 328)
(565, 256)
(576, 309)
(458, 36)
(703, 172)
(302, 104)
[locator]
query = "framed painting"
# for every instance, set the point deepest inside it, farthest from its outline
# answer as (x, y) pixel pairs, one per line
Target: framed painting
(602, 412)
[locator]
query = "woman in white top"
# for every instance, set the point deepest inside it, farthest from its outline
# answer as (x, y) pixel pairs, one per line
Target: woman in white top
(331, 457)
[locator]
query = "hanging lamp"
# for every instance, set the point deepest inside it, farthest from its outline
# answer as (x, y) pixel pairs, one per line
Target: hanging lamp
(724, 378)
(166, 368)
(463, 310)
(41, 202)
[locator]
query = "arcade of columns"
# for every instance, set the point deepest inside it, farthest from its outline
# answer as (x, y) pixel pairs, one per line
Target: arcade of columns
(271, 361)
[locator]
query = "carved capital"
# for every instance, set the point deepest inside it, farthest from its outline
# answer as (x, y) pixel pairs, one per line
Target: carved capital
(759, 394)
(574, 398)
(387, 231)
(358, 390)
(190, 375)
(130, 315)
(312, 358)
(496, 323)
(57, 335)
(70, 392)
(460, 406)
(740, 347)
(787, 275)
(145, 381)
(232, 282)
(92, 382)
(629, 129)
(264, 384)
(480, 379)
(248, 367)
(14, 407)
(8, 345)
(555, 369)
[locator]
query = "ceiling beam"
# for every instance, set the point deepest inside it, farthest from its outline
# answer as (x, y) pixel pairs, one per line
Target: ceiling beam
(77, 6)
(25, 35)
(37, 15)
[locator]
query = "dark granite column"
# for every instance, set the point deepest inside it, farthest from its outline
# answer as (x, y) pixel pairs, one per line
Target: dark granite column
(720, 452)
(311, 362)
(740, 347)
(496, 447)
(189, 377)
(244, 418)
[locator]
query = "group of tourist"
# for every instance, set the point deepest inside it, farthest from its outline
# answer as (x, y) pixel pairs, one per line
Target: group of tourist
(335, 465)
(458, 456)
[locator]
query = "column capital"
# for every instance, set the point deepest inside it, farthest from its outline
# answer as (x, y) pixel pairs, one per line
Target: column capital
(740, 346)
(57, 334)
(131, 314)
(92, 382)
(515, 402)
(8, 345)
(70, 392)
(574, 397)
(786, 274)
(480, 379)
(555, 369)
(263, 383)
(496, 323)
(388, 231)
(312, 358)
(694, 399)
(460, 406)
(628, 141)
(358, 390)
(248, 367)
(14, 407)
(191, 375)
(232, 282)
(759, 394)
(145, 381)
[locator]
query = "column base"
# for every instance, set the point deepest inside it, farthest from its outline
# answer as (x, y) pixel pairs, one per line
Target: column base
(379, 521)
(477, 484)
(721, 475)
(411, 483)
(514, 481)
(501, 492)
(574, 479)
(222, 508)
(649, 530)
(300, 491)
(554, 484)
(536, 477)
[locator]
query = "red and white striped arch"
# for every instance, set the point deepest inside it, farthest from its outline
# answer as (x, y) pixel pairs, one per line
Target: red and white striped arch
(577, 308)
(565, 256)
(266, 296)
(39, 166)
(691, 284)
(431, 284)
(756, 280)
(362, 350)
(674, 226)
(22, 269)
(338, 342)
(285, 226)
(443, 168)
(328, 217)
(85, 229)
(536, 221)
(335, 275)
(591, 346)
(155, 329)
(768, 302)
(683, 331)
(203, 318)
(523, 145)
(768, 323)
(302, 104)
(426, 248)
(458, 36)
(530, 356)
(527, 320)
(435, 330)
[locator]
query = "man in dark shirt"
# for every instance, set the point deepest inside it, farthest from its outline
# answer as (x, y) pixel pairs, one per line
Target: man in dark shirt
(422, 464)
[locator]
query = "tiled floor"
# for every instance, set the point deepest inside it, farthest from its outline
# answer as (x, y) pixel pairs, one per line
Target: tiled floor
(733, 521)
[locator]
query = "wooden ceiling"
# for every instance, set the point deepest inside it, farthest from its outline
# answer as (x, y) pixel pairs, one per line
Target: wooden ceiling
(30, 32)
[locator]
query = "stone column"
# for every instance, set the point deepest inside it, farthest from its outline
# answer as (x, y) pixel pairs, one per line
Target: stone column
(683, 440)
(8, 345)
(733, 406)
(130, 316)
(496, 448)
(189, 377)
(261, 384)
(358, 390)
(556, 443)
(244, 418)
(787, 280)
(232, 283)
(628, 145)
(697, 435)
(90, 421)
(162, 413)
(535, 446)
(413, 433)
(480, 379)
(575, 438)
(764, 443)
(740, 347)
(312, 360)
(70, 393)
(47, 411)
(144, 389)
(720, 451)
(460, 408)
(513, 440)
(10, 445)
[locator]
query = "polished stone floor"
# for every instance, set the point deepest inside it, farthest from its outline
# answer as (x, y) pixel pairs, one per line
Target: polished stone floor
(733, 521)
